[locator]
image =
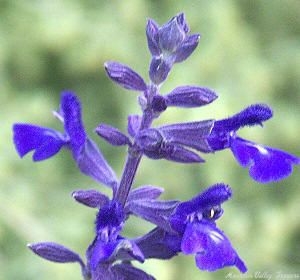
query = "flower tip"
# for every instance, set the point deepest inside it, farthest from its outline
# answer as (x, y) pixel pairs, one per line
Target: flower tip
(106, 64)
(18, 139)
(90, 198)
(263, 110)
(152, 38)
(69, 100)
(256, 114)
(124, 76)
(152, 24)
(110, 64)
(180, 17)
(75, 194)
(68, 92)
(195, 38)
(182, 21)
(34, 247)
(226, 189)
(221, 191)
(240, 265)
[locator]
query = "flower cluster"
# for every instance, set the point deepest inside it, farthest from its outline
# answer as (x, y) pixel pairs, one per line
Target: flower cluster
(187, 227)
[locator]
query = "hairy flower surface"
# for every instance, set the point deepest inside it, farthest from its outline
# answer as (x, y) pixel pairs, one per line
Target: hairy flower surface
(265, 164)
(47, 142)
(190, 228)
(195, 220)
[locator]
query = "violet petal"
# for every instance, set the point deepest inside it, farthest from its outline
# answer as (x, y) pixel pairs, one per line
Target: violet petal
(223, 130)
(54, 252)
(254, 114)
(88, 157)
(92, 163)
(171, 35)
(265, 164)
(187, 48)
(190, 96)
(45, 142)
(112, 135)
(212, 248)
(212, 196)
(206, 200)
(152, 37)
(90, 198)
(182, 22)
(124, 76)
(101, 252)
(71, 110)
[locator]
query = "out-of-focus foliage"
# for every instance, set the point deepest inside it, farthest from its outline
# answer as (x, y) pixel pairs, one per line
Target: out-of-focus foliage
(248, 53)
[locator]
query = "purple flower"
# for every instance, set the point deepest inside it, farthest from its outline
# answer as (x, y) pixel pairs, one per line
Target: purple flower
(194, 220)
(109, 247)
(169, 44)
(187, 227)
(265, 164)
(46, 142)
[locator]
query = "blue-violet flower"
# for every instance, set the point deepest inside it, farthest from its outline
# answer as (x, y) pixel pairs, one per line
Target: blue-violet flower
(187, 227)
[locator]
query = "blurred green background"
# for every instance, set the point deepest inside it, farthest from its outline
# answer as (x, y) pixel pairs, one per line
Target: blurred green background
(249, 52)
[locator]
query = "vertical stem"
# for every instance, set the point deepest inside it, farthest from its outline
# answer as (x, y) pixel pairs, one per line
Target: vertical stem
(131, 165)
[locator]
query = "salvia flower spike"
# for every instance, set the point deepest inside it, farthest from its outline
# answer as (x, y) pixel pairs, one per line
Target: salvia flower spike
(179, 227)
